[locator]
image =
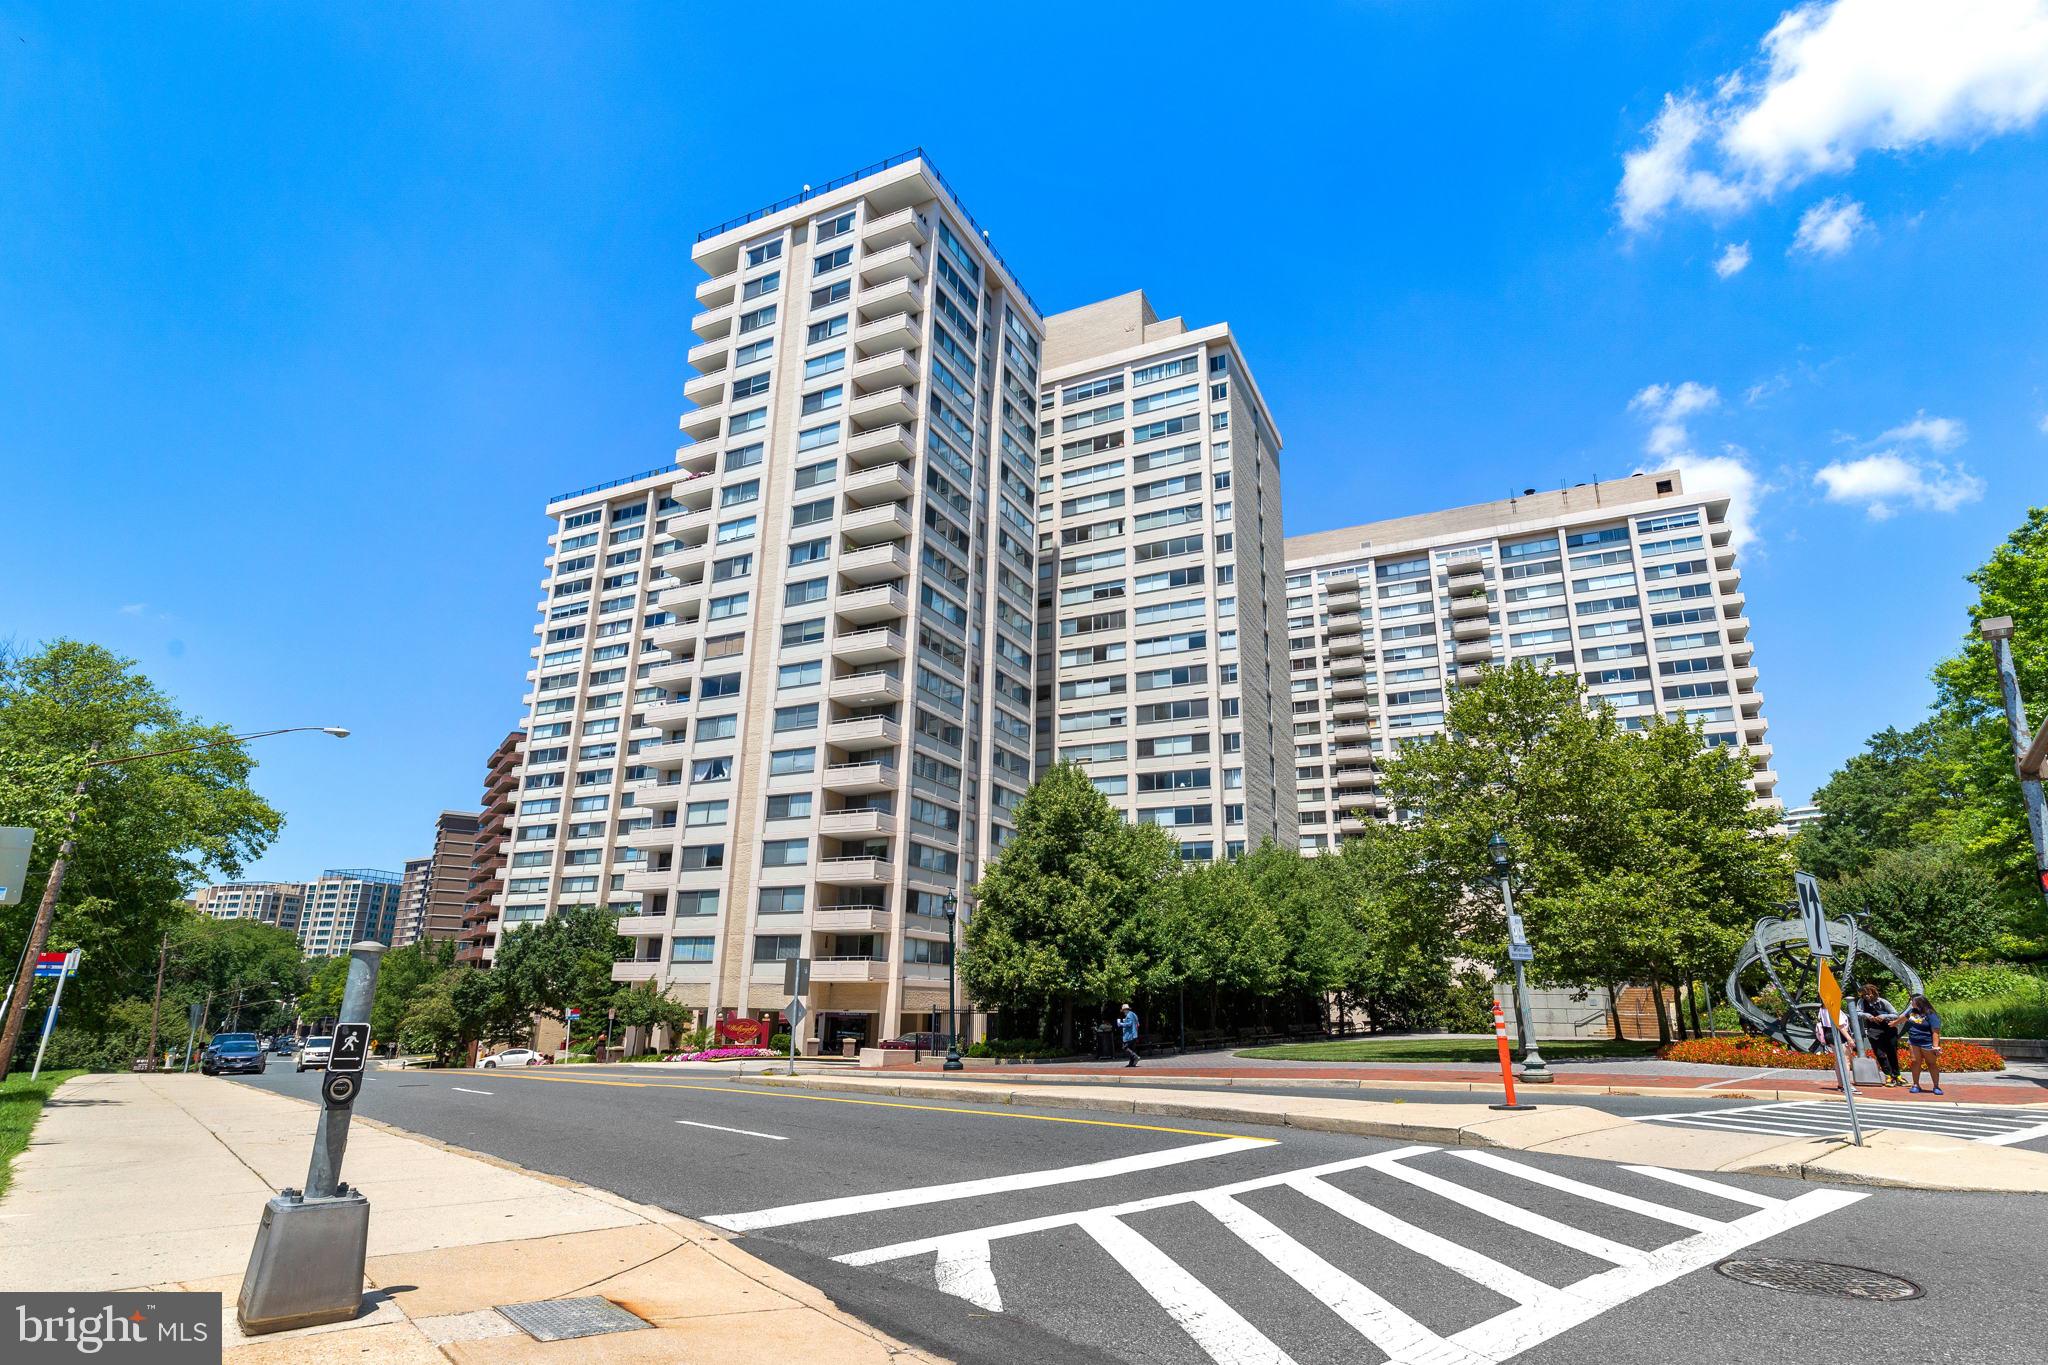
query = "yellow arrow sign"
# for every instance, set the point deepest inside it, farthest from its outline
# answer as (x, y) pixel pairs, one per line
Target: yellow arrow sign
(1830, 995)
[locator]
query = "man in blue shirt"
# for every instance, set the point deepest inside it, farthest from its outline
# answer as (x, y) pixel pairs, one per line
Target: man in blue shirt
(1127, 1024)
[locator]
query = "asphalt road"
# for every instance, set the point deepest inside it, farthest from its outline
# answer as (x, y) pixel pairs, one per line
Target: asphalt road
(966, 1229)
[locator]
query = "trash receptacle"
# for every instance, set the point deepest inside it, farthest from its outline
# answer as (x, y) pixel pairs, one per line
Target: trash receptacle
(849, 1045)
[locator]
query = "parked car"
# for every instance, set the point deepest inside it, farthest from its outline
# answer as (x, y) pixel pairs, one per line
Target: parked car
(284, 1045)
(513, 1056)
(314, 1053)
(235, 1053)
(927, 1042)
(219, 1038)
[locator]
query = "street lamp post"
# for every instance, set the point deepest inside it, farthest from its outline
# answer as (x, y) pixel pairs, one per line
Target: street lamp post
(953, 1062)
(2027, 749)
(46, 910)
(1534, 1070)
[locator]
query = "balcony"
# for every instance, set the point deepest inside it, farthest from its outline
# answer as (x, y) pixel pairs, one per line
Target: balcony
(904, 261)
(849, 824)
(676, 635)
(678, 593)
(681, 558)
(666, 713)
(1351, 729)
(848, 969)
(643, 926)
(707, 356)
(1466, 572)
(853, 871)
(885, 407)
(880, 483)
(635, 971)
(1355, 778)
(867, 689)
(883, 443)
(648, 880)
(850, 919)
(879, 645)
(891, 333)
(703, 424)
(875, 564)
(1341, 589)
(713, 323)
(1348, 663)
(650, 836)
(657, 795)
(1475, 652)
(890, 367)
(878, 605)
(1348, 642)
(705, 388)
(1467, 605)
(898, 297)
(872, 525)
(1351, 708)
(855, 778)
(904, 225)
(864, 732)
(1474, 628)
(665, 756)
(1344, 689)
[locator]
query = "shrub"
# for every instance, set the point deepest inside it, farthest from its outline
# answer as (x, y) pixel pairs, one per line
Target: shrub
(1011, 1047)
(1762, 1052)
(2007, 1016)
(779, 1043)
(1981, 983)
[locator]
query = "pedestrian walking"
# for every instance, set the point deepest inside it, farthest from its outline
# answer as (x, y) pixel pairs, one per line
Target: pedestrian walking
(1922, 1027)
(1127, 1025)
(1877, 1014)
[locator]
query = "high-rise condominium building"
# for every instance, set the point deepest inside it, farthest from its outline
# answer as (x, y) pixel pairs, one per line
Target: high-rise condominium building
(487, 855)
(348, 905)
(1630, 583)
(412, 900)
(277, 903)
(782, 702)
(1160, 579)
(448, 869)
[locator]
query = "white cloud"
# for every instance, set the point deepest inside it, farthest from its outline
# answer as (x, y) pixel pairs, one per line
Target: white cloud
(134, 608)
(1667, 408)
(1829, 227)
(2044, 424)
(1941, 434)
(1733, 260)
(1833, 81)
(1766, 388)
(1882, 481)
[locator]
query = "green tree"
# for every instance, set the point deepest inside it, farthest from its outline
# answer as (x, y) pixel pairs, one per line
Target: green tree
(1059, 914)
(433, 1021)
(1904, 789)
(1935, 905)
(146, 831)
(402, 975)
(564, 960)
(487, 1011)
(644, 1005)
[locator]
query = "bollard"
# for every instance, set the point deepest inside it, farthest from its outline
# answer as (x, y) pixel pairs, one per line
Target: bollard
(307, 1265)
(1507, 1066)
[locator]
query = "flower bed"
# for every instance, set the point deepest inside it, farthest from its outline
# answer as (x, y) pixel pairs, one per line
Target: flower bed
(1748, 1051)
(719, 1054)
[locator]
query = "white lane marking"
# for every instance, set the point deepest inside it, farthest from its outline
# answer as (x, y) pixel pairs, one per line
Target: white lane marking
(964, 1272)
(1514, 1216)
(1215, 1325)
(1612, 1198)
(1518, 1329)
(896, 1251)
(1687, 1180)
(1732, 1080)
(1371, 1316)
(1503, 1280)
(2016, 1135)
(1822, 1118)
(743, 1132)
(467, 1091)
(970, 1189)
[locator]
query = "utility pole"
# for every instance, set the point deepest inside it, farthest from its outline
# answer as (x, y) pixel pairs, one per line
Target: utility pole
(1534, 1069)
(156, 1007)
(39, 930)
(2025, 747)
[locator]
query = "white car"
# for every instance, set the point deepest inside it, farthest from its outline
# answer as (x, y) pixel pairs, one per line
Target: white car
(314, 1053)
(512, 1056)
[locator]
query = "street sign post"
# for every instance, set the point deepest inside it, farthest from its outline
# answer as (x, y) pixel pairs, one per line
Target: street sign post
(796, 984)
(1817, 939)
(66, 968)
(1831, 1001)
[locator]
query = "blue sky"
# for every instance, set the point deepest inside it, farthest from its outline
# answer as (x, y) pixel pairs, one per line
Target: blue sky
(305, 311)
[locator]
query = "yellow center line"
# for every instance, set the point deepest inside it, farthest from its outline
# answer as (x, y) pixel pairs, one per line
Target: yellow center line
(499, 1073)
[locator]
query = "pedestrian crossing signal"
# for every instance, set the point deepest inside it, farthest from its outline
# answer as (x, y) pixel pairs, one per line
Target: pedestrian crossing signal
(351, 1046)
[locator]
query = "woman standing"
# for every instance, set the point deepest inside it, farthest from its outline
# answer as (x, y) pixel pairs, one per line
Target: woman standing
(1922, 1027)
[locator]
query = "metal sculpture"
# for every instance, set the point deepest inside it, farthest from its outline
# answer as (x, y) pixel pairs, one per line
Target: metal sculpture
(1776, 956)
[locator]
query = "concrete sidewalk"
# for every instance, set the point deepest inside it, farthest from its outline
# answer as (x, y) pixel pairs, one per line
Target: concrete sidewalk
(1908, 1160)
(157, 1182)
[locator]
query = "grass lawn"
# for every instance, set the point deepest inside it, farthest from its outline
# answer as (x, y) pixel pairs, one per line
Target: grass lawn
(21, 1102)
(1437, 1050)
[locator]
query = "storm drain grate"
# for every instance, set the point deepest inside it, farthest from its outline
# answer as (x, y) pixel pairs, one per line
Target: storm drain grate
(1820, 1277)
(567, 1319)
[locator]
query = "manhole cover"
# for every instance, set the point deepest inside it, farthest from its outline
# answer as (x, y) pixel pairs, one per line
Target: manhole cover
(566, 1319)
(1820, 1277)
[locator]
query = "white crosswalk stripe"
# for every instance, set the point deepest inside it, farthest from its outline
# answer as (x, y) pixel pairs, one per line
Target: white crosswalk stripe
(964, 1266)
(1991, 1125)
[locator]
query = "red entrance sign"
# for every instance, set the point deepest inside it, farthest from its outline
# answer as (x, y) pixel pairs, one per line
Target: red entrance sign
(742, 1032)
